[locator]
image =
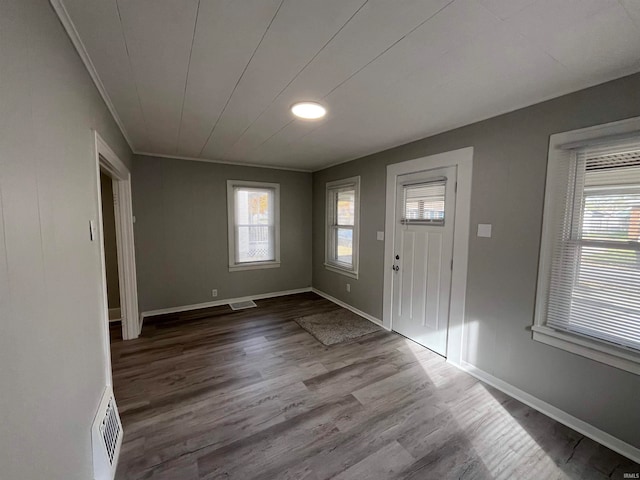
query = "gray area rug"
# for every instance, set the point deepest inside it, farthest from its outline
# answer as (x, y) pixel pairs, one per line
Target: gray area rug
(336, 327)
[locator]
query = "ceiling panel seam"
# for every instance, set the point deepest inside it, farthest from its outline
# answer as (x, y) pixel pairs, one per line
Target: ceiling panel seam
(358, 71)
(133, 75)
(240, 77)
(72, 32)
(299, 73)
(76, 41)
(186, 80)
(631, 17)
(389, 48)
(3, 230)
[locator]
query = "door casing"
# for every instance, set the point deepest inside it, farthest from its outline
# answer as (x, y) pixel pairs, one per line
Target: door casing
(423, 255)
(463, 159)
(107, 161)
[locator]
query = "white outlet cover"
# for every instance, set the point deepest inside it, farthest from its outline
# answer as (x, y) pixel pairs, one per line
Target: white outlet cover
(484, 230)
(380, 236)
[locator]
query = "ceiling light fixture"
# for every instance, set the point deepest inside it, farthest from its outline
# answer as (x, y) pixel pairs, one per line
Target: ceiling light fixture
(308, 110)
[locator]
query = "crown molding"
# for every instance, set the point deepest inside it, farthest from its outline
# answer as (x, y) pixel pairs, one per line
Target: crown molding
(67, 23)
(223, 162)
(69, 26)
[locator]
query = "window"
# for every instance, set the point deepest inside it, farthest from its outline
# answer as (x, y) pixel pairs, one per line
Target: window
(254, 230)
(589, 295)
(343, 211)
(424, 203)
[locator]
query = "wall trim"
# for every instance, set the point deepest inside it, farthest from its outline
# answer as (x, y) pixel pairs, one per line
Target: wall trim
(217, 303)
(232, 212)
(463, 159)
(558, 155)
(223, 162)
(74, 36)
(69, 26)
(371, 318)
(555, 413)
(108, 161)
(331, 263)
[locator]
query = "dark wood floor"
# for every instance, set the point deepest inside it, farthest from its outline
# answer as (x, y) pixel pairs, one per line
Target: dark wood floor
(218, 394)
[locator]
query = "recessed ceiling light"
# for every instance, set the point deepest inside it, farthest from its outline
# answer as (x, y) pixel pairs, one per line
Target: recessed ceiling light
(308, 110)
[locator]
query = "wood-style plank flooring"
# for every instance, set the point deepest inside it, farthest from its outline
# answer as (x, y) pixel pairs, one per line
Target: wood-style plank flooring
(217, 394)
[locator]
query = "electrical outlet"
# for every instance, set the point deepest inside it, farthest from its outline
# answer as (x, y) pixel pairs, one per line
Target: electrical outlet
(214, 292)
(348, 287)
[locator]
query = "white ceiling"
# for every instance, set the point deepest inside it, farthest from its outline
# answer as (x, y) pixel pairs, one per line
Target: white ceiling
(214, 79)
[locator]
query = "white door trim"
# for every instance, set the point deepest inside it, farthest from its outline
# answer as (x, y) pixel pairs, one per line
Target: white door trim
(463, 159)
(107, 160)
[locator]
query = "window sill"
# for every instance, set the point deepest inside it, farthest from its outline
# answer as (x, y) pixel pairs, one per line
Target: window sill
(253, 266)
(602, 352)
(341, 271)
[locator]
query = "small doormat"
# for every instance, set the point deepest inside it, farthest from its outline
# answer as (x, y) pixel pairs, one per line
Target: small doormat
(336, 327)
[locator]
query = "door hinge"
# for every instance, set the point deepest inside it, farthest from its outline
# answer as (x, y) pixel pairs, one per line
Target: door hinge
(452, 264)
(456, 188)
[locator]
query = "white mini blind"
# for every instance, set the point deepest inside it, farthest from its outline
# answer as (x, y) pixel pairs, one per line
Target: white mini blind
(341, 224)
(254, 223)
(595, 273)
(424, 202)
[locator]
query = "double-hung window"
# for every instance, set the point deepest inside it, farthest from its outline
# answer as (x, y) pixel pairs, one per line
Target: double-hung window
(589, 287)
(254, 230)
(342, 220)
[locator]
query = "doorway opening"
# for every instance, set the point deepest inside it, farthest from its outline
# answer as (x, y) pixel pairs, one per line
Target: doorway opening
(427, 223)
(116, 243)
(110, 248)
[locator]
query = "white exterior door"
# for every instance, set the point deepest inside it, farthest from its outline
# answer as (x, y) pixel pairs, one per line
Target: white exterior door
(423, 252)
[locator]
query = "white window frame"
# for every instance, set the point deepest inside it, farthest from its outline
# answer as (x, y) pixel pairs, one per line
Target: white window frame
(330, 217)
(239, 266)
(598, 350)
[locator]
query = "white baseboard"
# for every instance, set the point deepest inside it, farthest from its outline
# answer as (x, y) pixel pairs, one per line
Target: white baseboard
(371, 318)
(217, 303)
(115, 314)
(549, 410)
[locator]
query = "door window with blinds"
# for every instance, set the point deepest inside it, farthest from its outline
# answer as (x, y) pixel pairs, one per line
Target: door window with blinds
(424, 203)
(592, 242)
(253, 217)
(343, 206)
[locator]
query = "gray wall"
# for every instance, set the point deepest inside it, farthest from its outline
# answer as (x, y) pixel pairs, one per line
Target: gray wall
(52, 358)
(181, 232)
(508, 190)
(110, 244)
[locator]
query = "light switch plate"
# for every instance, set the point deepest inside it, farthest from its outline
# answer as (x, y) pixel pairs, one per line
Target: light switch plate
(380, 236)
(484, 230)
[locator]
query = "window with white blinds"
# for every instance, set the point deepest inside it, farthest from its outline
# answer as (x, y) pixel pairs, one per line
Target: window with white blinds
(424, 203)
(341, 245)
(254, 240)
(594, 287)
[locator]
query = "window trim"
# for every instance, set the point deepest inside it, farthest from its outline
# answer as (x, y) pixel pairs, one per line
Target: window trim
(599, 350)
(329, 217)
(233, 265)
